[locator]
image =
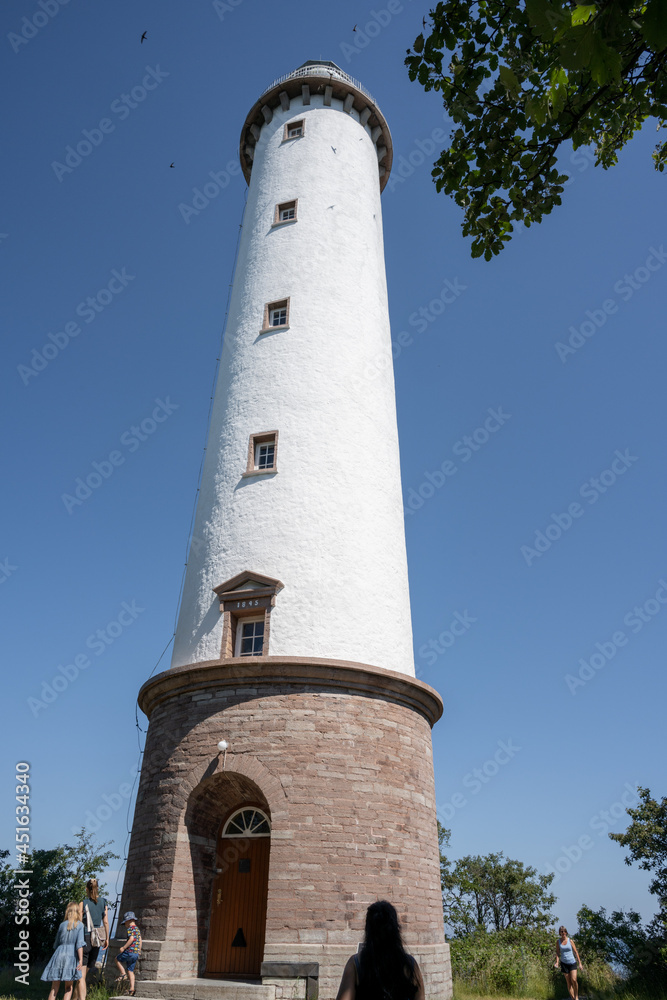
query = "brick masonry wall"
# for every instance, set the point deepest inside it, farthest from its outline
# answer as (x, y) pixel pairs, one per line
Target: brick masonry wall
(347, 780)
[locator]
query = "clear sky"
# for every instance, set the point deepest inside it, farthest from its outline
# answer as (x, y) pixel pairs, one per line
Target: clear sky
(533, 474)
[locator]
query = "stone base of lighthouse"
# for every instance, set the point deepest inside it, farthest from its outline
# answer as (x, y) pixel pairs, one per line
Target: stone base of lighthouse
(338, 758)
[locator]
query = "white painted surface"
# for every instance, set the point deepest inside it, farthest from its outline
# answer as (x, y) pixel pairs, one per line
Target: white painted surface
(329, 523)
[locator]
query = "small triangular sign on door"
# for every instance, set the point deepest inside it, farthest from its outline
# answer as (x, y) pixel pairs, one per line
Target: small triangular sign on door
(239, 939)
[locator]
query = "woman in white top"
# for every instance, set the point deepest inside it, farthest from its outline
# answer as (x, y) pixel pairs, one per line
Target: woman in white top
(568, 956)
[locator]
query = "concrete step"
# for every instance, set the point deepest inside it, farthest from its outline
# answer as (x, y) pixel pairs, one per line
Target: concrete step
(201, 989)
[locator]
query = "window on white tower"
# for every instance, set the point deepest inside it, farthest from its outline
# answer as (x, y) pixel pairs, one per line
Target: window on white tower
(294, 130)
(246, 602)
(265, 455)
(262, 453)
(276, 316)
(285, 212)
(250, 637)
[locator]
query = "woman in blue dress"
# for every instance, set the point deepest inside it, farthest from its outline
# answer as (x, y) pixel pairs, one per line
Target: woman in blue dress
(67, 960)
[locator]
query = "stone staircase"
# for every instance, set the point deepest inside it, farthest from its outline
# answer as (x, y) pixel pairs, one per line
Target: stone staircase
(201, 989)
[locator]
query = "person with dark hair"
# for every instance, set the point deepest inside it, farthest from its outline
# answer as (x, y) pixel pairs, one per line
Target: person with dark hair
(568, 956)
(94, 915)
(383, 970)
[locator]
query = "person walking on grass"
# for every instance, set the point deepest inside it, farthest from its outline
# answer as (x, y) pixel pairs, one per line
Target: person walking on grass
(67, 959)
(94, 914)
(568, 956)
(128, 955)
(383, 970)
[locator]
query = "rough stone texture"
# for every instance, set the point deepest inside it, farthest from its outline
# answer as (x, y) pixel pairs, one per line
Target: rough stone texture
(290, 989)
(297, 980)
(149, 961)
(204, 989)
(347, 780)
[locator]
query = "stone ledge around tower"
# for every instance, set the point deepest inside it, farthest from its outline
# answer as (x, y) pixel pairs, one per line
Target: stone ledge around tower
(203, 989)
(292, 671)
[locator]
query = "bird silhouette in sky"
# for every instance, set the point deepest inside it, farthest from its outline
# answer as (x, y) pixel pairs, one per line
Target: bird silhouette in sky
(334, 148)
(171, 164)
(143, 37)
(355, 28)
(423, 22)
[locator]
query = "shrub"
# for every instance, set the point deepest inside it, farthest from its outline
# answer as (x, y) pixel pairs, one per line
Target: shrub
(518, 962)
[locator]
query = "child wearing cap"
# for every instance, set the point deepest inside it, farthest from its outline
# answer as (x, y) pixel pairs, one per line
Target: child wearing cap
(128, 955)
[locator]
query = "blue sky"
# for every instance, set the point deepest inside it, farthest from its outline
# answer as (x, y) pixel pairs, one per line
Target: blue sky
(565, 446)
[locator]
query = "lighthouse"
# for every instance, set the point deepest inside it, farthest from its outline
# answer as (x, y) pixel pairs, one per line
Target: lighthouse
(287, 779)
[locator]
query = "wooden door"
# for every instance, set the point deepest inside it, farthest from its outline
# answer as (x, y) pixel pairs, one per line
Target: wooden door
(238, 909)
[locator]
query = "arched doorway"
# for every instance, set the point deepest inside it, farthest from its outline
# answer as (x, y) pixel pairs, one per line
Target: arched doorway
(238, 902)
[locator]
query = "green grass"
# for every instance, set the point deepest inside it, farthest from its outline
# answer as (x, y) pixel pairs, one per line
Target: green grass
(38, 990)
(463, 991)
(535, 989)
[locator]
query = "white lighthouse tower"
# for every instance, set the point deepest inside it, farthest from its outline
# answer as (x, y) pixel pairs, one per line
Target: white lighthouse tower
(294, 641)
(302, 479)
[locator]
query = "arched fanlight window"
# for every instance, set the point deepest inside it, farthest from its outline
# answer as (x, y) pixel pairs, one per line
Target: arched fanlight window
(247, 823)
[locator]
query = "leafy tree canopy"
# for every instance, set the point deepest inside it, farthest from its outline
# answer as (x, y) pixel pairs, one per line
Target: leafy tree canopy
(520, 78)
(616, 939)
(492, 892)
(58, 876)
(646, 838)
(621, 940)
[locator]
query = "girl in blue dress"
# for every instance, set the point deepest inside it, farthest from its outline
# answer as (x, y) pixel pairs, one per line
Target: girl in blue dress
(67, 960)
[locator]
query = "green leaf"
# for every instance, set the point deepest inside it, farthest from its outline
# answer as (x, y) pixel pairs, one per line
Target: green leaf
(558, 77)
(418, 45)
(509, 80)
(582, 13)
(547, 18)
(576, 47)
(538, 12)
(654, 25)
(605, 61)
(536, 109)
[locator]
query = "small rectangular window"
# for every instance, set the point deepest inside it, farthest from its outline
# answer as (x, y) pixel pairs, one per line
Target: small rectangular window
(265, 455)
(250, 637)
(294, 130)
(276, 315)
(262, 453)
(285, 212)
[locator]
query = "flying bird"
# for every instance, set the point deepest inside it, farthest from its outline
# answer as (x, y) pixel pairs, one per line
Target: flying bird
(334, 148)
(171, 164)
(355, 28)
(143, 37)
(423, 22)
